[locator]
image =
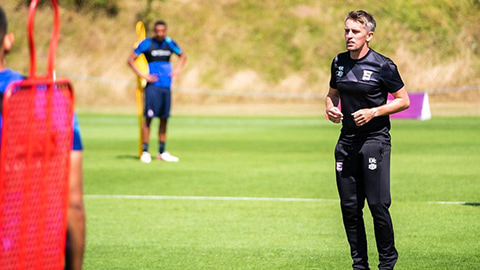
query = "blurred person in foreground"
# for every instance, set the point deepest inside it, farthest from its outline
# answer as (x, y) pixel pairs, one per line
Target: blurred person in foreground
(361, 79)
(76, 226)
(75, 245)
(158, 50)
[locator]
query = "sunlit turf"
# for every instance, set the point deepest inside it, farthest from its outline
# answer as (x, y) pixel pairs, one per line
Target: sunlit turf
(275, 158)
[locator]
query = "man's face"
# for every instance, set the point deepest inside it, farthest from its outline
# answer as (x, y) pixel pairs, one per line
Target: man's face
(160, 32)
(356, 35)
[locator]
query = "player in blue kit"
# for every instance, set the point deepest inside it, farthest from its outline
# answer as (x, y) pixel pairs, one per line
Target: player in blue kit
(157, 51)
(76, 226)
(7, 76)
(75, 245)
(361, 79)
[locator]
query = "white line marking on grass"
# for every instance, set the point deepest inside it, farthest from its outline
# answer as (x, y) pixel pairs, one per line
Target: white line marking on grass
(209, 198)
(445, 202)
(205, 198)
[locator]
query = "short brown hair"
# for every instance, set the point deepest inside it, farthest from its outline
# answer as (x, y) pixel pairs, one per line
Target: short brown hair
(364, 18)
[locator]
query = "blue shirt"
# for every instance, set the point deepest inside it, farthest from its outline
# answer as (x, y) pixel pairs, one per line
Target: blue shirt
(77, 140)
(8, 76)
(158, 58)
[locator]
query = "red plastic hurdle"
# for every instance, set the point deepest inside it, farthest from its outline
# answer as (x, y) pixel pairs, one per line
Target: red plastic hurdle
(34, 163)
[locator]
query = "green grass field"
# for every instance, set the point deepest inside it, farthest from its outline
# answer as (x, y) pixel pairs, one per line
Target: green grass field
(226, 204)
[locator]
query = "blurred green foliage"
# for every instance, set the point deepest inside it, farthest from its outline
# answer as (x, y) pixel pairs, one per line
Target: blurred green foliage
(109, 7)
(147, 15)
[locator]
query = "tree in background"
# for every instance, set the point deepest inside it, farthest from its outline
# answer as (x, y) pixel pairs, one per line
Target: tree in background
(147, 16)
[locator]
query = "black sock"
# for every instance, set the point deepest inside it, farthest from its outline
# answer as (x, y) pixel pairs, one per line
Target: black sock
(145, 147)
(161, 147)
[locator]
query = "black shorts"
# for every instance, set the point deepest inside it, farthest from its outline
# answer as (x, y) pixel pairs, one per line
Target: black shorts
(157, 101)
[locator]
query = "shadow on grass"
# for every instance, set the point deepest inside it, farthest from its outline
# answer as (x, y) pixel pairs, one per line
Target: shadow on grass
(472, 203)
(127, 157)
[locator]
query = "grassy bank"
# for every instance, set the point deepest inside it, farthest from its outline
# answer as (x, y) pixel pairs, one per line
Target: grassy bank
(259, 46)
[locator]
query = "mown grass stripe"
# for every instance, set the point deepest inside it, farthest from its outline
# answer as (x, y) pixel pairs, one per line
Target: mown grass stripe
(205, 198)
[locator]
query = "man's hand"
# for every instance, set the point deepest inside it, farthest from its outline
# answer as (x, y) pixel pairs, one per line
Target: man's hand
(334, 115)
(150, 78)
(363, 116)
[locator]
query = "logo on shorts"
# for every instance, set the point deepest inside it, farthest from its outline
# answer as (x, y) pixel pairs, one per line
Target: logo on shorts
(372, 163)
(367, 75)
(150, 113)
(339, 166)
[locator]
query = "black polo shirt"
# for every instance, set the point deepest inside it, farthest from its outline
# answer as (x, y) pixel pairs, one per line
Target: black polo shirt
(364, 83)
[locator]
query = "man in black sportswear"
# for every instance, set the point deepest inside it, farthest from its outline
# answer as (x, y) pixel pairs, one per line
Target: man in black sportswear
(361, 80)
